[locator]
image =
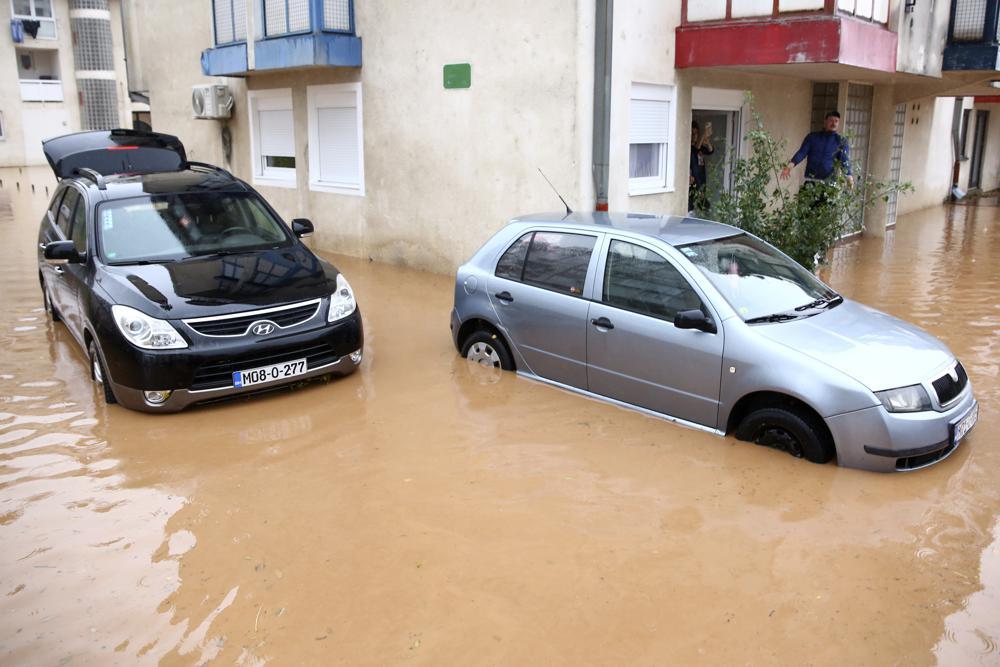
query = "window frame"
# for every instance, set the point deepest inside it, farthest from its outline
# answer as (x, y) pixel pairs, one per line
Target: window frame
(232, 12)
(314, 96)
(606, 265)
(588, 278)
(33, 16)
(279, 99)
(664, 181)
(261, 5)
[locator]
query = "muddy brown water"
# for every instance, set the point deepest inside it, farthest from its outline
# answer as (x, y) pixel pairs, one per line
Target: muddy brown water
(421, 512)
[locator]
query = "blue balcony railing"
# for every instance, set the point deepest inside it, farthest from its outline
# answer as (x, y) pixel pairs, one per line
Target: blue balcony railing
(293, 33)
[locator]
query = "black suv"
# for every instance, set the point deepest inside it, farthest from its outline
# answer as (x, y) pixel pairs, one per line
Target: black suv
(179, 281)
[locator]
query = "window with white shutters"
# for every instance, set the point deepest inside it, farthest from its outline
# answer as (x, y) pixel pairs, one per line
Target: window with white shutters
(272, 128)
(336, 146)
(650, 163)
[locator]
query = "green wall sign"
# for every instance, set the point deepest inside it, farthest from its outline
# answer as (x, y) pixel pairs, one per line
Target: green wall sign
(458, 76)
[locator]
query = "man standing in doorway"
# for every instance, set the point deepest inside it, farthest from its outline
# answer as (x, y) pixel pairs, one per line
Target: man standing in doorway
(822, 151)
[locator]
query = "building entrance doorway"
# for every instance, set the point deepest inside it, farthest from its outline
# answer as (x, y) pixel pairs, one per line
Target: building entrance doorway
(721, 110)
(978, 148)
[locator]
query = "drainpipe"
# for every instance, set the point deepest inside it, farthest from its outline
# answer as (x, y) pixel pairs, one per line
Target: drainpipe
(602, 100)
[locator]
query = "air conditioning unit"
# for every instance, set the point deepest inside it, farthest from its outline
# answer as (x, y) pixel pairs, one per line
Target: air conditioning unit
(211, 100)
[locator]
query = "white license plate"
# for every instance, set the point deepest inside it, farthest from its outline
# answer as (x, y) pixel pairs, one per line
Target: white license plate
(965, 424)
(270, 373)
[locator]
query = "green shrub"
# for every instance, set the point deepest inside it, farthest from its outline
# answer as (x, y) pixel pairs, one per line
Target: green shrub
(805, 224)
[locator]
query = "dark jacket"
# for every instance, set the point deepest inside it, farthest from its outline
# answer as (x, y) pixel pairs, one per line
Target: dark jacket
(821, 150)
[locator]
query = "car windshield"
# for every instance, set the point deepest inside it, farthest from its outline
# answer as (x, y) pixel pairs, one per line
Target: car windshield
(758, 281)
(175, 227)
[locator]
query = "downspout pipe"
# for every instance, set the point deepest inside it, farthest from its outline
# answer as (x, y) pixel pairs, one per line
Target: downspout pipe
(603, 34)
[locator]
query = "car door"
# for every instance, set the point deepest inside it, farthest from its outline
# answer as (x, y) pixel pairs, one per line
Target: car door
(537, 291)
(59, 289)
(635, 353)
(74, 276)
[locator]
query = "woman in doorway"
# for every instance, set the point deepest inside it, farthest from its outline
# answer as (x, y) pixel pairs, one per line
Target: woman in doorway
(701, 145)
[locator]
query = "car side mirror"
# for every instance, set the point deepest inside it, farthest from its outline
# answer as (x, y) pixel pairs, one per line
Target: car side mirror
(62, 252)
(302, 227)
(694, 319)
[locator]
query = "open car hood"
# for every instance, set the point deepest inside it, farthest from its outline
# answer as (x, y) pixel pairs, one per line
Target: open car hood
(114, 152)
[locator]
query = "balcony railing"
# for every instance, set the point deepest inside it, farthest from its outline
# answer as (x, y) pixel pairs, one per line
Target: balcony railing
(973, 21)
(41, 90)
(696, 11)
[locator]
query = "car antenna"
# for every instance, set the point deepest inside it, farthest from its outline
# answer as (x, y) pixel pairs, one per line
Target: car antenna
(568, 209)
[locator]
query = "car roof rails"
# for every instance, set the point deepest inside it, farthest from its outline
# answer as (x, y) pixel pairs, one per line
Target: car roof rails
(92, 175)
(211, 167)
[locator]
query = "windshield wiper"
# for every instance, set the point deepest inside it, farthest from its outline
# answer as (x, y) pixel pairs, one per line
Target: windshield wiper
(143, 262)
(822, 303)
(774, 317)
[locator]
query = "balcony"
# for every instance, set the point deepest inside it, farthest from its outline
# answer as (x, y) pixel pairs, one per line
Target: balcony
(292, 33)
(972, 36)
(41, 90)
(756, 33)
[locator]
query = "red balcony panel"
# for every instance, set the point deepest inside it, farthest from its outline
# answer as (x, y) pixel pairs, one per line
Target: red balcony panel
(827, 39)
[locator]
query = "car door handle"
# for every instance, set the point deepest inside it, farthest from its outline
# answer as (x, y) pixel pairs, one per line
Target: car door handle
(504, 296)
(58, 269)
(603, 323)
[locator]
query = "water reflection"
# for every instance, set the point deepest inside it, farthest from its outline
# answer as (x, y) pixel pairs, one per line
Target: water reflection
(425, 510)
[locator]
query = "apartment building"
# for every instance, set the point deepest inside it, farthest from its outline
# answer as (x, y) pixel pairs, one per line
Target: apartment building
(408, 132)
(62, 69)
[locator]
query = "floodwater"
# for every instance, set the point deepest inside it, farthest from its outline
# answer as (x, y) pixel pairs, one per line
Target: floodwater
(421, 512)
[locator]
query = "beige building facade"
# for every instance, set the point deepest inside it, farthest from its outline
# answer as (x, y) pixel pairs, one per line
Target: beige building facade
(343, 112)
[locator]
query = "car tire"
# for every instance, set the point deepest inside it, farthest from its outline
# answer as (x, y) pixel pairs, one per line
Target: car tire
(47, 302)
(799, 435)
(99, 375)
(489, 349)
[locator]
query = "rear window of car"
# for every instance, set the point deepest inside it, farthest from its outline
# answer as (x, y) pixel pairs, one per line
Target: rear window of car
(552, 260)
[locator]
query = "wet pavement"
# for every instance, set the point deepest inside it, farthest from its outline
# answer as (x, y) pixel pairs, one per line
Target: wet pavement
(424, 512)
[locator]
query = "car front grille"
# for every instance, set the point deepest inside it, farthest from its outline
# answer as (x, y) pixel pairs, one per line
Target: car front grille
(219, 375)
(238, 325)
(913, 462)
(948, 388)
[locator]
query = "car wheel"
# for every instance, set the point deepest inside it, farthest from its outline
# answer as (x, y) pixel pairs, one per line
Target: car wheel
(98, 375)
(488, 349)
(789, 431)
(47, 302)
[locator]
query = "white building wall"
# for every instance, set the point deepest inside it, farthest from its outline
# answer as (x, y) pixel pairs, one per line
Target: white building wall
(927, 152)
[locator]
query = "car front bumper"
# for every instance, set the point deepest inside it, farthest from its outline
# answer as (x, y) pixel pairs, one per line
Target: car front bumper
(882, 441)
(203, 371)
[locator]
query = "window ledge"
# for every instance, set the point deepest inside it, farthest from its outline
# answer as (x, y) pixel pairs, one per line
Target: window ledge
(316, 186)
(638, 192)
(275, 182)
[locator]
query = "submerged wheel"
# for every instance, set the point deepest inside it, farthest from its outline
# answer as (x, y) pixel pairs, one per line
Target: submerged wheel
(788, 431)
(98, 375)
(488, 349)
(47, 302)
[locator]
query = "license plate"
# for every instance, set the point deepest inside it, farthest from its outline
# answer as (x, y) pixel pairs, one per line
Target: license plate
(270, 373)
(965, 424)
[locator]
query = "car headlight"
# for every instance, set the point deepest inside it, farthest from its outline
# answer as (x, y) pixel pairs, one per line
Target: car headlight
(146, 332)
(342, 301)
(905, 399)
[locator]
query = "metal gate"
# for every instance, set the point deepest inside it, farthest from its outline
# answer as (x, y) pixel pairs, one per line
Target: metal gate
(858, 127)
(895, 162)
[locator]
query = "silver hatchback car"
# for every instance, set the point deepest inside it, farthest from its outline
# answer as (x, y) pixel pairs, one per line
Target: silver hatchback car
(705, 325)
